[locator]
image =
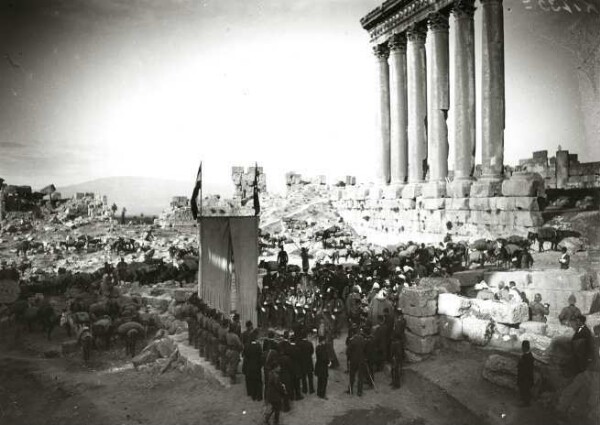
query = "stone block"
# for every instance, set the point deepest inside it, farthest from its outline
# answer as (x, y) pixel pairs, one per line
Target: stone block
(523, 184)
(566, 280)
(458, 188)
(502, 329)
(453, 305)
(486, 188)
(502, 371)
(418, 301)
(442, 284)
(469, 278)
(450, 327)
(458, 216)
(505, 203)
(502, 312)
(359, 193)
(422, 326)
(457, 203)
(408, 204)
(420, 344)
(480, 204)
(480, 217)
(503, 219)
(526, 203)
(477, 331)
(556, 330)
(538, 328)
(579, 401)
(539, 343)
(375, 193)
(393, 191)
(432, 203)
(528, 218)
(434, 190)
(592, 321)
(412, 191)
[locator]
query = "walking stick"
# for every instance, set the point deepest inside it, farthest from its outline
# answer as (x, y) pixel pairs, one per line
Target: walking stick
(371, 376)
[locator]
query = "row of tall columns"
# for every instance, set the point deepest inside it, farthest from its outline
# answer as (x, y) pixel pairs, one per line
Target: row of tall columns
(415, 100)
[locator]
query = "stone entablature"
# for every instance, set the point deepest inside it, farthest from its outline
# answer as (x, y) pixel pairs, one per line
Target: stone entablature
(397, 16)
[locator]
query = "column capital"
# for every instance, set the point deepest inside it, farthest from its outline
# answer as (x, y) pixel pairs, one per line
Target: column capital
(417, 33)
(381, 51)
(397, 42)
(438, 21)
(463, 9)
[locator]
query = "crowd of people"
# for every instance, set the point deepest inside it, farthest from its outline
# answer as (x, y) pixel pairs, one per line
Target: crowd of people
(279, 368)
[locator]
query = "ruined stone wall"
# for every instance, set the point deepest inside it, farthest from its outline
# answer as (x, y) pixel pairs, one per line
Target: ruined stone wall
(243, 181)
(381, 217)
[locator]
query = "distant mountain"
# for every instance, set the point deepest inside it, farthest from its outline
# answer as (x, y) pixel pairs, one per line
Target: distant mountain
(139, 194)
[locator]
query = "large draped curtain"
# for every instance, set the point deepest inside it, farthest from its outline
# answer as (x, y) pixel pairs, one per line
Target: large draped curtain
(244, 242)
(223, 241)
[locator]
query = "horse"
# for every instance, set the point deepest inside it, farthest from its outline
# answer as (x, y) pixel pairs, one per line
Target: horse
(545, 234)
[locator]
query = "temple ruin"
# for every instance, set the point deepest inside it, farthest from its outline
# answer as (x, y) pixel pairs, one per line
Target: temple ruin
(414, 191)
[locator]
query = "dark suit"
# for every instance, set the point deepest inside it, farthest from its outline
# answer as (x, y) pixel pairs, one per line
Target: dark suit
(306, 351)
(287, 379)
(583, 348)
(356, 360)
(397, 357)
(525, 377)
(296, 356)
(275, 393)
(322, 369)
(252, 369)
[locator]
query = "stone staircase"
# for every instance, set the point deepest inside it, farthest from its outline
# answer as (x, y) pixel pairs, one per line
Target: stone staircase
(197, 364)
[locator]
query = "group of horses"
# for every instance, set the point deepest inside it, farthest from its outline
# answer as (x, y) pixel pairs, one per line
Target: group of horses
(96, 324)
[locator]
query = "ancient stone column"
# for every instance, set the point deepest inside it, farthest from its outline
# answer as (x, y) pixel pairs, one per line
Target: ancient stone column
(463, 88)
(492, 103)
(417, 110)
(398, 110)
(438, 104)
(382, 52)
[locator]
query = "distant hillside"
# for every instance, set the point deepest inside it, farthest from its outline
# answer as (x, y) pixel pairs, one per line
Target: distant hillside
(139, 194)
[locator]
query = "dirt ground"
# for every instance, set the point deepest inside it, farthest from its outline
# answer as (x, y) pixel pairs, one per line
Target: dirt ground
(446, 389)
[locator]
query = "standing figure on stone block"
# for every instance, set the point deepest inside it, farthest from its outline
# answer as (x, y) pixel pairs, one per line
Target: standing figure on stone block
(305, 262)
(525, 374)
(282, 259)
(565, 259)
(570, 312)
(539, 310)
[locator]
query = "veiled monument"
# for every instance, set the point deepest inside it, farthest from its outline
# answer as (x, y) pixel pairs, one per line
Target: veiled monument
(414, 192)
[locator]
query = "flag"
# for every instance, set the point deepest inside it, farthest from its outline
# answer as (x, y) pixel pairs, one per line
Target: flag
(255, 193)
(197, 190)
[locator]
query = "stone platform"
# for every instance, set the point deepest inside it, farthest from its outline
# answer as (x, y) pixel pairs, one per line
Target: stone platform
(373, 211)
(555, 287)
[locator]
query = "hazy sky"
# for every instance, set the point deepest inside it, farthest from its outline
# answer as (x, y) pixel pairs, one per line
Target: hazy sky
(95, 88)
